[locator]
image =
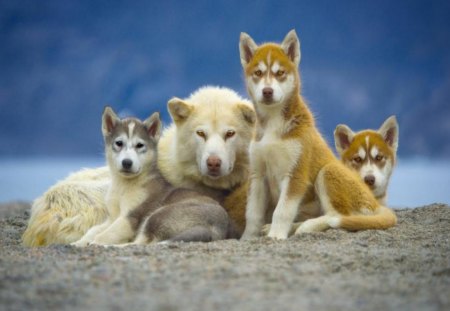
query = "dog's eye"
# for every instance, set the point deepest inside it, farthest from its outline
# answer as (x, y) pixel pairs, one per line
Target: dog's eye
(201, 133)
(280, 73)
(258, 73)
(139, 145)
(357, 159)
(229, 134)
(379, 157)
(119, 144)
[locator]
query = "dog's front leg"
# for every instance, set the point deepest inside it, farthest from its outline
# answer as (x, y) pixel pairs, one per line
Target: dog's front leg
(256, 208)
(119, 232)
(90, 235)
(285, 211)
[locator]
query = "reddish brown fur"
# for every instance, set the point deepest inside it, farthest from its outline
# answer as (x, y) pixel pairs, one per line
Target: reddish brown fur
(359, 140)
(342, 188)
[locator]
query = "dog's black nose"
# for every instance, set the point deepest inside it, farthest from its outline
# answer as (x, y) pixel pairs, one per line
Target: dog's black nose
(127, 164)
(369, 180)
(267, 92)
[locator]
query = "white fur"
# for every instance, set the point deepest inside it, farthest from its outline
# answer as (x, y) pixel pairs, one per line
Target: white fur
(65, 212)
(262, 67)
(270, 176)
(362, 153)
(275, 67)
(373, 151)
(184, 153)
(216, 145)
(320, 223)
(382, 175)
(61, 215)
(285, 212)
(280, 90)
(256, 207)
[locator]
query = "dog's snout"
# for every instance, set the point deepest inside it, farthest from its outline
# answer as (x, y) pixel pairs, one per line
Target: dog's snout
(214, 163)
(127, 164)
(267, 92)
(369, 180)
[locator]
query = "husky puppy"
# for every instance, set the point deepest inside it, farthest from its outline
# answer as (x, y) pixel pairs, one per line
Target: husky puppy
(139, 195)
(371, 153)
(290, 162)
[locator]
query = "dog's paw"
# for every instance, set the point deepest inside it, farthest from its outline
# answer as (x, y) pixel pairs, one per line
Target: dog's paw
(164, 242)
(247, 235)
(277, 235)
(100, 242)
(80, 243)
(308, 226)
(334, 222)
(279, 231)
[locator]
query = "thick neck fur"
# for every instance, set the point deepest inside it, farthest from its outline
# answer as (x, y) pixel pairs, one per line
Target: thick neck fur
(285, 117)
(149, 181)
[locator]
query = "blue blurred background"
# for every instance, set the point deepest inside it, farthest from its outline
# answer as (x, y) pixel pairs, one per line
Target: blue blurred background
(61, 62)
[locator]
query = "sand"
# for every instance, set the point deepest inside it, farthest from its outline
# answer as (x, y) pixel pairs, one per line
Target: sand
(403, 268)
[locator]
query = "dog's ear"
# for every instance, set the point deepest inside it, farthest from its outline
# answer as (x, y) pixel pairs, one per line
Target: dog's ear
(153, 125)
(247, 48)
(343, 137)
(247, 113)
(389, 132)
(109, 121)
(291, 46)
(179, 110)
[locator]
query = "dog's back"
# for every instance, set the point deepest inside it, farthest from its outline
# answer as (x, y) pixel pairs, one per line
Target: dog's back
(184, 215)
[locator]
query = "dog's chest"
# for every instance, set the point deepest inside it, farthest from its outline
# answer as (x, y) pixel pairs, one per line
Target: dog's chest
(274, 158)
(123, 198)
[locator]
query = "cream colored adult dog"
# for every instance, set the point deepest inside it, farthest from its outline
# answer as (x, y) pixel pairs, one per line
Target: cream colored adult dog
(206, 148)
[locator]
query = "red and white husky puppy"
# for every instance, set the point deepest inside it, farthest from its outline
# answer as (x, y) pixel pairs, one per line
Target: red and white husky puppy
(290, 162)
(371, 153)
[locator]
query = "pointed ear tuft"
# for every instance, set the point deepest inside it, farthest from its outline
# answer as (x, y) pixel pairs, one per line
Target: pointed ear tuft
(343, 137)
(179, 110)
(153, 125)
(109, 120)
(291, 46)
(248, 113)
(389, 131)
(247, 48)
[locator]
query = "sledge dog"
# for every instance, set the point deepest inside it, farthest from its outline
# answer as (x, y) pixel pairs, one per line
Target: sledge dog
(65, 212)
(139, 195)
(207, 144)
(290, 162)
(371, 153)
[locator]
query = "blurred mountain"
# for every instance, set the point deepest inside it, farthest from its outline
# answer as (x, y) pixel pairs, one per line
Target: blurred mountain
(62, 61)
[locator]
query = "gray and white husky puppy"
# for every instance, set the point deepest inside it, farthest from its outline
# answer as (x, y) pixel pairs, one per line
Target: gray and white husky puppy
(142, 206)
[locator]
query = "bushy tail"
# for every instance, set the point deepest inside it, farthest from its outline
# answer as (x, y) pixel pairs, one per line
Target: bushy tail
(66, 211)
(384, 218)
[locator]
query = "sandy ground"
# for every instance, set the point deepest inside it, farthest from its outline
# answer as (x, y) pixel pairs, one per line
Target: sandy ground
(403, 268)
